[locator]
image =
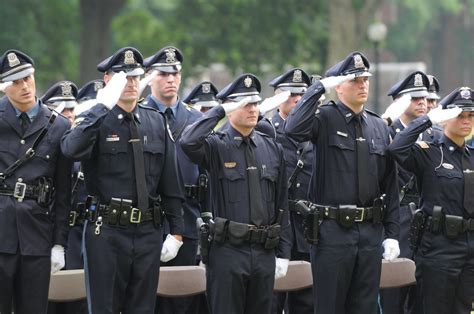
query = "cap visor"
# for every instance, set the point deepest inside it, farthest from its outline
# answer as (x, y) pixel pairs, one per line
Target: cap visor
(19, 75)
(253, 98)
(135, 72)
(361, 74)
(418, 93)
(294, 89)
(208, 104)
(432, 96)
(168, 68)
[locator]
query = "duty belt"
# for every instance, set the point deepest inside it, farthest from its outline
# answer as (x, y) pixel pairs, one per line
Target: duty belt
(21, 191)
(192, 191)
(360, 213)
(463, 225)
(130, 215)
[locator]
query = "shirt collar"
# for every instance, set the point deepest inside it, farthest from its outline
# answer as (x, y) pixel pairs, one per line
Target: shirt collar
(451, 146)
(32, 113)
(162, 108)
(349, 114)
(120, 113)
(238, 138)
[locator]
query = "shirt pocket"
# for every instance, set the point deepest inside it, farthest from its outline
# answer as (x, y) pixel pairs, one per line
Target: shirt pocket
(448, 177)
(341, 153)
(153, 154)
(233, 183)
(268, 182)
(113, 158)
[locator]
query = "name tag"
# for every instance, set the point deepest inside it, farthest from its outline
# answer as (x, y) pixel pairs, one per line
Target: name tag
(447, 166)
(341, 133)
(112, 138)
(231, 164)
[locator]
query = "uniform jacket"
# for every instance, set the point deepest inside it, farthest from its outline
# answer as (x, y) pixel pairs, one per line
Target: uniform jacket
(27, 225)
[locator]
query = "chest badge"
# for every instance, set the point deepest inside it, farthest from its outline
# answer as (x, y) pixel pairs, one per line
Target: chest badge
(447, 166)
(112, 138)
(230, 164)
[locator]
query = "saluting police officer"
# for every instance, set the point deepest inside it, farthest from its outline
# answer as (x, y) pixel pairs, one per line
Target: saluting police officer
(444, 170)
(353, 186)
(34, 190)
(130, 171)
(165, 66)
(250, 233)
(299, 157)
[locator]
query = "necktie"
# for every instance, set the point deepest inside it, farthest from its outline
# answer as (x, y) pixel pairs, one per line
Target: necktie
(139, 163)
(170, 117)
(258, 213)
(24, 121)
(468, 172)
(362, 159)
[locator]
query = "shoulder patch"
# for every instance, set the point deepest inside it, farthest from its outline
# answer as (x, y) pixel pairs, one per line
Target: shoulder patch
(423, 144)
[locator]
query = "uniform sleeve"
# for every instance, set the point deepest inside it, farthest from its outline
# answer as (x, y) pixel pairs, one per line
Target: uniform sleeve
(284, 247)
(193, 140)
(389, 186)
(301, 124)
(62, 200)
(78, 143)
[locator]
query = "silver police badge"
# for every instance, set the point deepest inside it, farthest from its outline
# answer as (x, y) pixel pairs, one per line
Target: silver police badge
(248, 81)
(465, 92)
(206, 88)
(129, 58)
(297, 76)
(66, 89)
(358, 62)
(170, 55)
(418, 80)
(98, 85)
(12, 60)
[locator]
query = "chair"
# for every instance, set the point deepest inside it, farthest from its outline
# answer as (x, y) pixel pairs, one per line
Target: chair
(398, 273)
(180, 281)
(67, 285)
(298, 277)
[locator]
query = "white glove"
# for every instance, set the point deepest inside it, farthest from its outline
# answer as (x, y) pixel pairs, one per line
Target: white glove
(170, 248)
(110, 94)
(396, 108)
(84, 106)
(273, 102)
(332, 81)
(281, 267)
(3, 86)
(57, 258)
(232, 106)
(144, 81)
(391, 250)
(439, 115)
(60, 107)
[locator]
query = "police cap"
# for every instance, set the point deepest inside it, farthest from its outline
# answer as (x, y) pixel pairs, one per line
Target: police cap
(296, 81)
(167, 59)
(127, 59)
(462, 97)
(355, 63)
(89, 90)
(62, 91)
(415, 84)
(433, 89)
(15, 65)
(204, 95)
(246, 85)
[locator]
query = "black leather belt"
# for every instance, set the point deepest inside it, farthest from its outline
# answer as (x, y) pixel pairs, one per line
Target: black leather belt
(465, 225)
(21, 191)
(360, 213)
(191, 191)
(120, 217)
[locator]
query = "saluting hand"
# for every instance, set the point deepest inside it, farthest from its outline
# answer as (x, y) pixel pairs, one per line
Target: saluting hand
(332, 81)
(396, 108)
(144, 81)
(3, 86)
(273, 102)
(439, 115)
(232, 106)
(110, 94)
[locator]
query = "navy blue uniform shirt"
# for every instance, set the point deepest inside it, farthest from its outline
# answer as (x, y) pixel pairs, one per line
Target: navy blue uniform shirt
(437, 166)
(223, 155)
(331, 128)
(101, 142)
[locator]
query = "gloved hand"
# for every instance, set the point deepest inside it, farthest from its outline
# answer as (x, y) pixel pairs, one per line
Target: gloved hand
(4, 85)
(396, 108)
(84, 106)
(232, 106)
(332, 81)
(57, 258)
(391, 250)
(273, 102)
(60, 107)
(144, 81)
(110, 94)
(170, 248)
(439, 115)
(281, 267)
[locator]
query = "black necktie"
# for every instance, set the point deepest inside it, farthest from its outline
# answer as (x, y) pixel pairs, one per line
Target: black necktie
(139, 163)
(24, 122)
(258, 214)
(468, 172)
(362, 159)
(170, 117)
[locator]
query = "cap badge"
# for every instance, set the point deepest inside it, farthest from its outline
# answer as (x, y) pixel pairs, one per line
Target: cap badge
(170, 55)
(248, 81)
(297, 76)
(418, 80)
(358, 62)
(12, 60)
(129, 58)
(206, 88)
(430, 79)
(98, 85)
(66, 89)
(465, 92)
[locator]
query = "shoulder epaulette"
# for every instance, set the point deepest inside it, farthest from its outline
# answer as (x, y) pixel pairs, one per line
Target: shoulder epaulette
(372, 113)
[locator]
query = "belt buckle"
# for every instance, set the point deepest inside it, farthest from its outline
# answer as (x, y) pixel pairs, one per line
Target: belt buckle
(360, 218)
(135, 215)
(72, 218)
(19, 192)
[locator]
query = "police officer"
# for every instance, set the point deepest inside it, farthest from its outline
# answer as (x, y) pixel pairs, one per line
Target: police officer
(433, 91)
(86, 95)
(444, 171)
(34, 190)
(165, 66)
(251, 244)
(62, 98)
(130, 171)
(298, 158)
(203, 96)
(354, 186)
